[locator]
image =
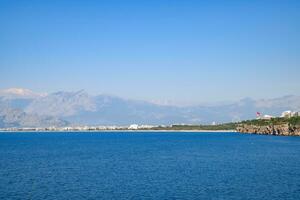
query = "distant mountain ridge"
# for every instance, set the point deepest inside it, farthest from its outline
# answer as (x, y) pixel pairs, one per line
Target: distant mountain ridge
(81, 108)
(10, 117)
(62, 104)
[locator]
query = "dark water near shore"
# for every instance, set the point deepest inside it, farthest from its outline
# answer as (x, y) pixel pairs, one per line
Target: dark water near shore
(148, 166)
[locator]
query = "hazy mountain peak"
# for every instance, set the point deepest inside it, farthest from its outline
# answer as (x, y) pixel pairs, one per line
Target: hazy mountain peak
(20, 93)
(291, 102)
(62, 104)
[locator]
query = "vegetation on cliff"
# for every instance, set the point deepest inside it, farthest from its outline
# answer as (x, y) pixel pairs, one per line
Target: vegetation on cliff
(240, 126)
(293, 121)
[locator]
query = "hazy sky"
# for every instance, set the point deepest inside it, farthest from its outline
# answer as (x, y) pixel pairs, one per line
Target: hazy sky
(183, 51)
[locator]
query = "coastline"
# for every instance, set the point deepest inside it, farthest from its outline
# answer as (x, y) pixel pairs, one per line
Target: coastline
(116, 131)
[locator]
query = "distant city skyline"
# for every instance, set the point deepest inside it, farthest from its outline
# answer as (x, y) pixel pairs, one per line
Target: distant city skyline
(182, 52)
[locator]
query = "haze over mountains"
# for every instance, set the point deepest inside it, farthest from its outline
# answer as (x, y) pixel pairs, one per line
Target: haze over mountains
(24, 108)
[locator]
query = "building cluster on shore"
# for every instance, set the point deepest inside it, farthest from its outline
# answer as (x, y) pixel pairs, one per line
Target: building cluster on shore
(81, 128)
(285, 114)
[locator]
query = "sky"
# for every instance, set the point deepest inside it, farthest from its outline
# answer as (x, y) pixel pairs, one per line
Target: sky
(163, 51)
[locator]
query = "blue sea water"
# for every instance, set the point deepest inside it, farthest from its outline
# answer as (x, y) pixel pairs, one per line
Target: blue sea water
(148, 166)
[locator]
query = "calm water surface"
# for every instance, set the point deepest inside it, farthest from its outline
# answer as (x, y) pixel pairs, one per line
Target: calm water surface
(148, 166)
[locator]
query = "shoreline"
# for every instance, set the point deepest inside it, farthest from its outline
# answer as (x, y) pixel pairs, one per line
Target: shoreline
(116, 131)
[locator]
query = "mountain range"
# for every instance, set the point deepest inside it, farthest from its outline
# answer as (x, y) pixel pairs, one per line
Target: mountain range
(24, 108)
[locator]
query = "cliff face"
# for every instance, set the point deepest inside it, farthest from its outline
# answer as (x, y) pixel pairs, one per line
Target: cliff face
(283, 129)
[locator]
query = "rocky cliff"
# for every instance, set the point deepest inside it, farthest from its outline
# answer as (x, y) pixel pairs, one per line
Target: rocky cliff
(282, 129)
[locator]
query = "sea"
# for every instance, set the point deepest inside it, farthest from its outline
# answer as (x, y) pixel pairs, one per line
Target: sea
(148, 165)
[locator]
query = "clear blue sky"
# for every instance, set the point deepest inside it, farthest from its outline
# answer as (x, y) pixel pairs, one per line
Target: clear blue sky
(183, 51)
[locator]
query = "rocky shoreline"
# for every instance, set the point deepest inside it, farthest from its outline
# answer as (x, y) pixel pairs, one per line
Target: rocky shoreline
(283, 129)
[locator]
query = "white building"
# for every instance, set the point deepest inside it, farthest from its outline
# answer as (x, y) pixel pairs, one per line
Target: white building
(289, 114)
(133, 127)
(146, 126)
(266, 117)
